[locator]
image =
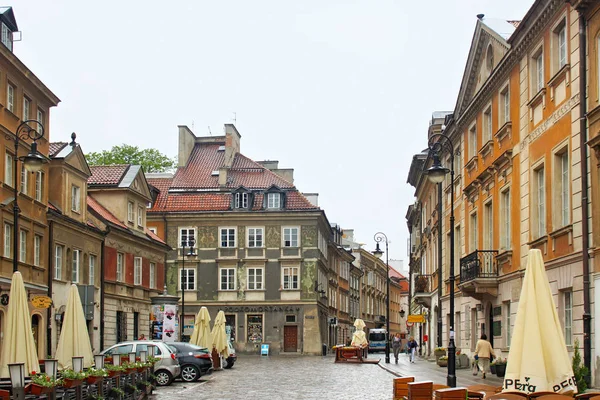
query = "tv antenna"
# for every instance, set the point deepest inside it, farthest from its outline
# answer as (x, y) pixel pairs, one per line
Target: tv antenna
(234, 117)
(209, 132)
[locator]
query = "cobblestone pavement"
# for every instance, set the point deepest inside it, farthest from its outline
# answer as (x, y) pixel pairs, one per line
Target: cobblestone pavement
(310, 377)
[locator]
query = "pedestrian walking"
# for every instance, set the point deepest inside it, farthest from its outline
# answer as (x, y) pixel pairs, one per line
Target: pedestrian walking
(396, 345)
(412, 346)
(484, 353)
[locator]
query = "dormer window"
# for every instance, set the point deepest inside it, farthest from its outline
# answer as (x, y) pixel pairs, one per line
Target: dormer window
(7, 38)
(241, 200)
(274, 200)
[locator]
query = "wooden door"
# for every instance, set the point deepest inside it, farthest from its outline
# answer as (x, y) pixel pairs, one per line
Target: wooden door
(290, 338)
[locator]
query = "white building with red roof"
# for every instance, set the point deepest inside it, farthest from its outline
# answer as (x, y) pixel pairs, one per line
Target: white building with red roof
(259, 246)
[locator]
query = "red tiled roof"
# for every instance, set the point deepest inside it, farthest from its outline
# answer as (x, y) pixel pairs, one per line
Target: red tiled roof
(107, 174)
(198, 202)
(103, 212)
(153, 236)
(162, 184)
(56, 147)
(514, 23)
(297, 201)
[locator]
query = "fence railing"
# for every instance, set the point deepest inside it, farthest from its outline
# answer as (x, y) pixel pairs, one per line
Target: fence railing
(479, 264)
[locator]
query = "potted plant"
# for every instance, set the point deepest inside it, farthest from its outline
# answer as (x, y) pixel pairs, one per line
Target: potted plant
(72, 378)
(42, 383)
(439, 352)
(130, 389)
(142, 385)
(493, 367)
(442, 361)
(115, 393)
(113, 370)
(500, 367)
(95, 375)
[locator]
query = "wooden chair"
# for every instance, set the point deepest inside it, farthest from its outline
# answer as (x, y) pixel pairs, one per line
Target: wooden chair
(507, 396)
(535, 395)
(459, 393)
(4, 394)
(488, 389)
(554, 396)
(588, 396)
(421, 390)
(401, 386)
(438, 386)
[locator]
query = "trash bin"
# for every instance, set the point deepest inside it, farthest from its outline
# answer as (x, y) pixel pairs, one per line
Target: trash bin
(324, 351)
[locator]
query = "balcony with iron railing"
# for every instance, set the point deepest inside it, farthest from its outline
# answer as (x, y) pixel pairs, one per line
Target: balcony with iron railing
(424, 286)
(479, 274)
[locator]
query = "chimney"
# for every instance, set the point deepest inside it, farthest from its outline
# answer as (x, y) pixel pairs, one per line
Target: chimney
(187, 140)
(273, 166)
(232, 144)
(222, 177)
(313, 198)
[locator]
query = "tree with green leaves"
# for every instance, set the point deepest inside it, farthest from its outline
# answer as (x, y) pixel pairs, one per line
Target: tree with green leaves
(151, 160)
(579, 370)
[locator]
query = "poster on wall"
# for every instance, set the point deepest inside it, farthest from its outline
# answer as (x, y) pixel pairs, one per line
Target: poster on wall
(255, 328)
(170, 324)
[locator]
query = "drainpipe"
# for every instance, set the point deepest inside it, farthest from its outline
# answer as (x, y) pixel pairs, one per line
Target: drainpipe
(50, 277)
(102, 269)
(587, 316)
(166, 226)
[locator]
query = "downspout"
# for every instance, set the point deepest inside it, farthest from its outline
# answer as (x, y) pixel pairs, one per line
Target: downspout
(587, 316)
(102, 269)
(50, 277)
(166, 225)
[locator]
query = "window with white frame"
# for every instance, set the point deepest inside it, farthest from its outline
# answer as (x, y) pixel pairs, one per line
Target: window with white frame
(75, 198)
(504, 106)
(562, 190)
(473, 232)
(473, 141)
(487, 124)
(39, 185)
(37, 250)
(187, 279)
(255, 278)
(488, 229)
(24, 179)
(228, 237)
(140, 216)
(75, 269)
(92, 270)
(8, 169)
(7, 240)
(255, 237)
(508, 328)
(152, 229)
(120, 267)
(241, 200)
(58, 261)
(10, 97)
(538, 71)
(22, 245)
(559, 38)
(274, 200)
(290, 236)
(26, 108)
(289, 277)
(568, 316)
(186, 235)
(539, 199)
(152, 275)
(7, 39)
(227, 279)
(130, 211)
(40, 119)
(137, 271)
(505, 219)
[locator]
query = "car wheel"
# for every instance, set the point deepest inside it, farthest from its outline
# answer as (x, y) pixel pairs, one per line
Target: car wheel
(163, 377)
(227, 364)
(189, 373)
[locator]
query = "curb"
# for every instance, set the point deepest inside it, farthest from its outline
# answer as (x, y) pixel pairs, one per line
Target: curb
(389, 370)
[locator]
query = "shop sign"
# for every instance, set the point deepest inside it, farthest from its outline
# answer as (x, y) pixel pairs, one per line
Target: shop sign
(41, 301)
(418, 318)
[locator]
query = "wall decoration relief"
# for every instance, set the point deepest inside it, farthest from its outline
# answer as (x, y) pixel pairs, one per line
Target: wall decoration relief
(273, 236)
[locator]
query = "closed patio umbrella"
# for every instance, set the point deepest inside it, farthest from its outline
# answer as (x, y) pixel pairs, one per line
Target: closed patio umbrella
(74, 337)
(202, 335)
(358, 337)
(538, 358)
(219, 335)
(19, 344)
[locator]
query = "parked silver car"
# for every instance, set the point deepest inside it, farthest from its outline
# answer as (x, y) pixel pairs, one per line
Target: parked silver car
(165, 370)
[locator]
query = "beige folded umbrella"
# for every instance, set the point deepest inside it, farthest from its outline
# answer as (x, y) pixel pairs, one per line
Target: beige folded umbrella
(19, 344)
(358, 337)
(538, 358)
(74, 338)
(201, 335)
(219, 335)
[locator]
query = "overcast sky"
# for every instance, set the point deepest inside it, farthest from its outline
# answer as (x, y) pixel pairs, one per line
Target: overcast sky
(341, 91)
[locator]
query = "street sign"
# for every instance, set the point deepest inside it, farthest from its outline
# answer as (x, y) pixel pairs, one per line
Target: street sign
(41, 301)
(419, 318)
(264, 349)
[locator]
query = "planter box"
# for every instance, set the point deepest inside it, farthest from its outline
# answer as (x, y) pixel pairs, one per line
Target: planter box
(38, 390)
(500, 370)
(92, 380)
(493, 368)
(114, 374)
(442, 363)
(70, 383)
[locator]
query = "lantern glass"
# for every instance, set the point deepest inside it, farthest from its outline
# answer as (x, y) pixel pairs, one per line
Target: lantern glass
(131, 357)
(77, 364)
(17, 375)
(99, 361)
(143, 356)
(51, 367)
(116, 360)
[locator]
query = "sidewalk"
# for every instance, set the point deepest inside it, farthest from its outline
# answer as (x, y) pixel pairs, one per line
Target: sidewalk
(424, 370)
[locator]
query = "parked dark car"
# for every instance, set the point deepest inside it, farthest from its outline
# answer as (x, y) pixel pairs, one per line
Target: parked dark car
(195, 361)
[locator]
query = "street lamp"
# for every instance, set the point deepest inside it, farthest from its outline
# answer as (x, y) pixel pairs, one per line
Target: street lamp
(381, 237)
(189, 243)
(33, 162)
(436, 174)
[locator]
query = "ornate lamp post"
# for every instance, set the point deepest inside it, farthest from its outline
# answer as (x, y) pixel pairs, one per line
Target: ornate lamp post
(436, 174)
(189, 244)
(33, 162)
(381, 237)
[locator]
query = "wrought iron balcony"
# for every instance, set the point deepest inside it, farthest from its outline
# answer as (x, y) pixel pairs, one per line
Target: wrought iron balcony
(423, 289)
(479, 273)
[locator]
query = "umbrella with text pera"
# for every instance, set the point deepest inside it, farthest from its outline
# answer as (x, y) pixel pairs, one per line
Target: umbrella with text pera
(538, 358)
(19, 344)
(201, 335)
(219, 335)
(74, 337)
